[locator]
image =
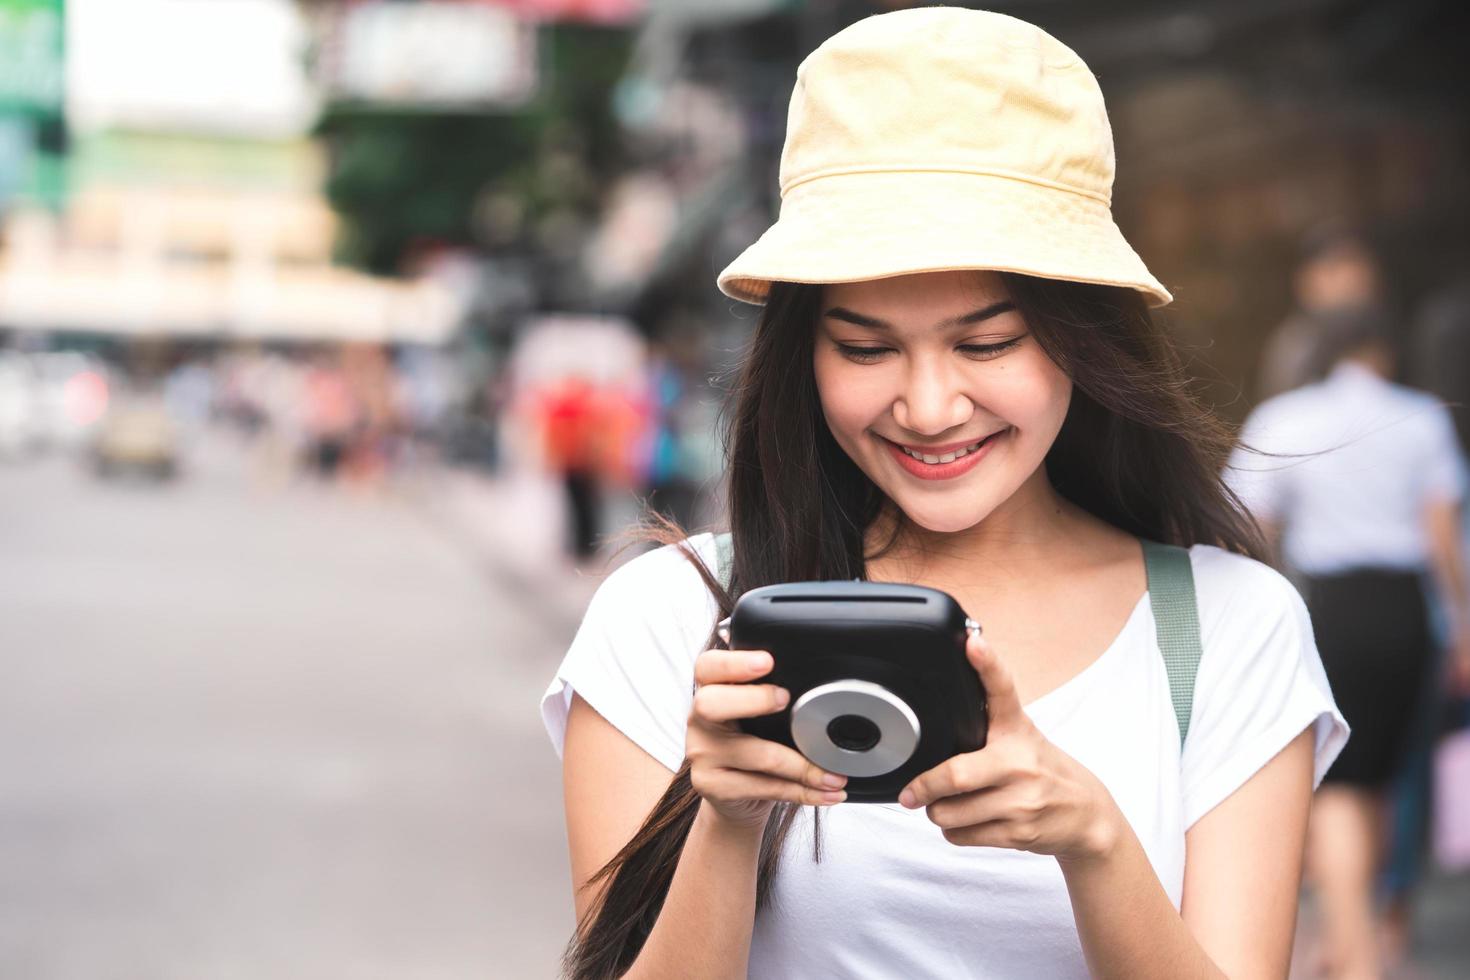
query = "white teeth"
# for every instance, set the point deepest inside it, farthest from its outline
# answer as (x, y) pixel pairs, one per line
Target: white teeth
(947, 457)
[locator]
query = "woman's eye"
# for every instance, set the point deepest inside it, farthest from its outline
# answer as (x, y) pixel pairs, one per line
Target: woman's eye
(982, 351)
(974, 351)
(862, 353)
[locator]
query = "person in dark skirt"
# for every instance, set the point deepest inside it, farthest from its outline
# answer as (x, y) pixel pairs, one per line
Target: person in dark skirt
(1372, 628)
(1359, 482)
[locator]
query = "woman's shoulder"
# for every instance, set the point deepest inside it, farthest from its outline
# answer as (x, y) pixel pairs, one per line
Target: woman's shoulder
(662, 580)
(632, 658)
(1245, 603)
(1230, 579)
(1260, 680)
(667, 563)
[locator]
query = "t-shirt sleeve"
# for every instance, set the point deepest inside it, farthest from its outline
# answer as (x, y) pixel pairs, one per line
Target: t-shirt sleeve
(633, 656)
(1444, 469)
(1260, 681)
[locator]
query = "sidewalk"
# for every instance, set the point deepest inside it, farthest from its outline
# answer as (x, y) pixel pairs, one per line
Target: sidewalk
(1439, 943)
(516, 526)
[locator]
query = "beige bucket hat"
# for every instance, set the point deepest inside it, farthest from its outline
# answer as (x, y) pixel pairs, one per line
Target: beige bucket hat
(942, 138)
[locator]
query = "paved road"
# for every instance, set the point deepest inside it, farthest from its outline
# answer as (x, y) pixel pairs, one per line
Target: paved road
(253, 733)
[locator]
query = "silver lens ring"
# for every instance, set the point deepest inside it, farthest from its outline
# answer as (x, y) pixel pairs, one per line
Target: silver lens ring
(897, 725)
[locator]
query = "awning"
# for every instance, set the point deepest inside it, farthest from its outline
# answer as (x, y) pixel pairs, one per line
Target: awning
(100, 296)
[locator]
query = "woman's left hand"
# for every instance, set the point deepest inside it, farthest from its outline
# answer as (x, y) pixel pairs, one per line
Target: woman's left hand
(1020, 791)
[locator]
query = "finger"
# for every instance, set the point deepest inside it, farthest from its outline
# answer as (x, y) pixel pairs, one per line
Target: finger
(719, 703)
(992, 833)
(759, 755)
(731, 666)
(733, 785)
(965, 809)
(1001, 700)
(966, 773)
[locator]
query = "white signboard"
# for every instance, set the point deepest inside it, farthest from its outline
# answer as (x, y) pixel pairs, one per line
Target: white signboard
(227, 66)
(431, 54)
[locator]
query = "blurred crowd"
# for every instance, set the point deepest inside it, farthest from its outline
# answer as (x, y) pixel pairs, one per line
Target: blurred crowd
(590, 404)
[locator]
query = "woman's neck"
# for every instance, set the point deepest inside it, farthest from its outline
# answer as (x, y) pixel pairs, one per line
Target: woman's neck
(1036, 532)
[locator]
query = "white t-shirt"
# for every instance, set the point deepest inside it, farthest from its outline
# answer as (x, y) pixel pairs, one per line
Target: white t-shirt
(1358, 460)
(890, 896)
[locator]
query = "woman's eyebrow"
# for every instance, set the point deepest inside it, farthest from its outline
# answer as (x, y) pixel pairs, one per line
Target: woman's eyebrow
(859, 320)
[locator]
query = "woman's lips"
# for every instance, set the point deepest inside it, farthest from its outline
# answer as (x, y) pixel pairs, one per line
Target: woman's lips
(943, 471)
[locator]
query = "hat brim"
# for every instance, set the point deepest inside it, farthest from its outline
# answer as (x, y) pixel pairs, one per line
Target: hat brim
(873, 225)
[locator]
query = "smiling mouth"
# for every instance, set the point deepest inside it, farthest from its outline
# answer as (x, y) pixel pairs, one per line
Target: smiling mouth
(949, 457)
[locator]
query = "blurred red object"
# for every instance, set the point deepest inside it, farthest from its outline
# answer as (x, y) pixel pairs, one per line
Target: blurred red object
(587, 428)
(85, 397)
(569, 435)
(598, 11)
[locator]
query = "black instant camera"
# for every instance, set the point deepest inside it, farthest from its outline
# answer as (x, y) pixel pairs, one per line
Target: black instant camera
(880, 687)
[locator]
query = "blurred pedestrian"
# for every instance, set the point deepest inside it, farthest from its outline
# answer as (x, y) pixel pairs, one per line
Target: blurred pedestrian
(571, 440)
(672, 480)
(368, 372)
(331, 416)
(955, 382)
(280, 448)
(1439, 364)
(1360, 481)
(1337, 270)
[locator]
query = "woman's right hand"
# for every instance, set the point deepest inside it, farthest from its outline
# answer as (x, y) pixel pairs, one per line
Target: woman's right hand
(741, 776)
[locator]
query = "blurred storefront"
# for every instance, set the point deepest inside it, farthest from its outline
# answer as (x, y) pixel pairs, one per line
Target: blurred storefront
(443, 173)
(191, 237)
(32, 89)
(195, 210)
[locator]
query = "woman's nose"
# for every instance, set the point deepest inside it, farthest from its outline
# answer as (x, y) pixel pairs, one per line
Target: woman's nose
(933, 401)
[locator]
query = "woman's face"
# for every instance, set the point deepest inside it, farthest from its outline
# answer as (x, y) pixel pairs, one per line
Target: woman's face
(936, 363)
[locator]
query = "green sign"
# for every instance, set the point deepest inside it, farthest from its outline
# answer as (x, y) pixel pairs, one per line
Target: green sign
(32, 39)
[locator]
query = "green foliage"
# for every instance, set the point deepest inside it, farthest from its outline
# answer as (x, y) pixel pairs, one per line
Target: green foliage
(399, 177)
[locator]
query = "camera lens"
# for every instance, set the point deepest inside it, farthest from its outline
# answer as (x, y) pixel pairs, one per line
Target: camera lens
(854, 727)
(853, 732)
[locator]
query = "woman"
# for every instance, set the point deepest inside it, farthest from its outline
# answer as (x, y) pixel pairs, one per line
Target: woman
(1362, 481)
(945, 276)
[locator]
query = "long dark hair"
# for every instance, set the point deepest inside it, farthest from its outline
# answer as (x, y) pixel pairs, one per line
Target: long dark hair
(1137, 449)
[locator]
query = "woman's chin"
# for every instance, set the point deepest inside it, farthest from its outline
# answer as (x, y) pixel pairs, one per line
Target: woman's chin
(942, 520)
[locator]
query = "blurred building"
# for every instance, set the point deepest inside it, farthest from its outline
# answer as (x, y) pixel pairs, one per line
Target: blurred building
(191, 200)
(32, 90)
(1240, 127)
(444, 170)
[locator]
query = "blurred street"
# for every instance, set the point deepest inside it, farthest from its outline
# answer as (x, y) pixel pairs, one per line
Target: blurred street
(250, 730)
(249, 733)
(340, 340)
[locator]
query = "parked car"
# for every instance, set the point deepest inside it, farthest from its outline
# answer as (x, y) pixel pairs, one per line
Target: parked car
(137, 436)
(20, 392)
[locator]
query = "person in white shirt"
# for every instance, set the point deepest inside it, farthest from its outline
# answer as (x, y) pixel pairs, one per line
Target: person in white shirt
(1337, 270)
(955, 381)
(1361, 481)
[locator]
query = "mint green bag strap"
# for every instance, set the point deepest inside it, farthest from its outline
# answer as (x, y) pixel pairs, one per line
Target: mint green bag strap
(724, 558)
(1176, 622)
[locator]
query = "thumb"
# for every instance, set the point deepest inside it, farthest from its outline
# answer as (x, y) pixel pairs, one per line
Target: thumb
(1003, 704)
